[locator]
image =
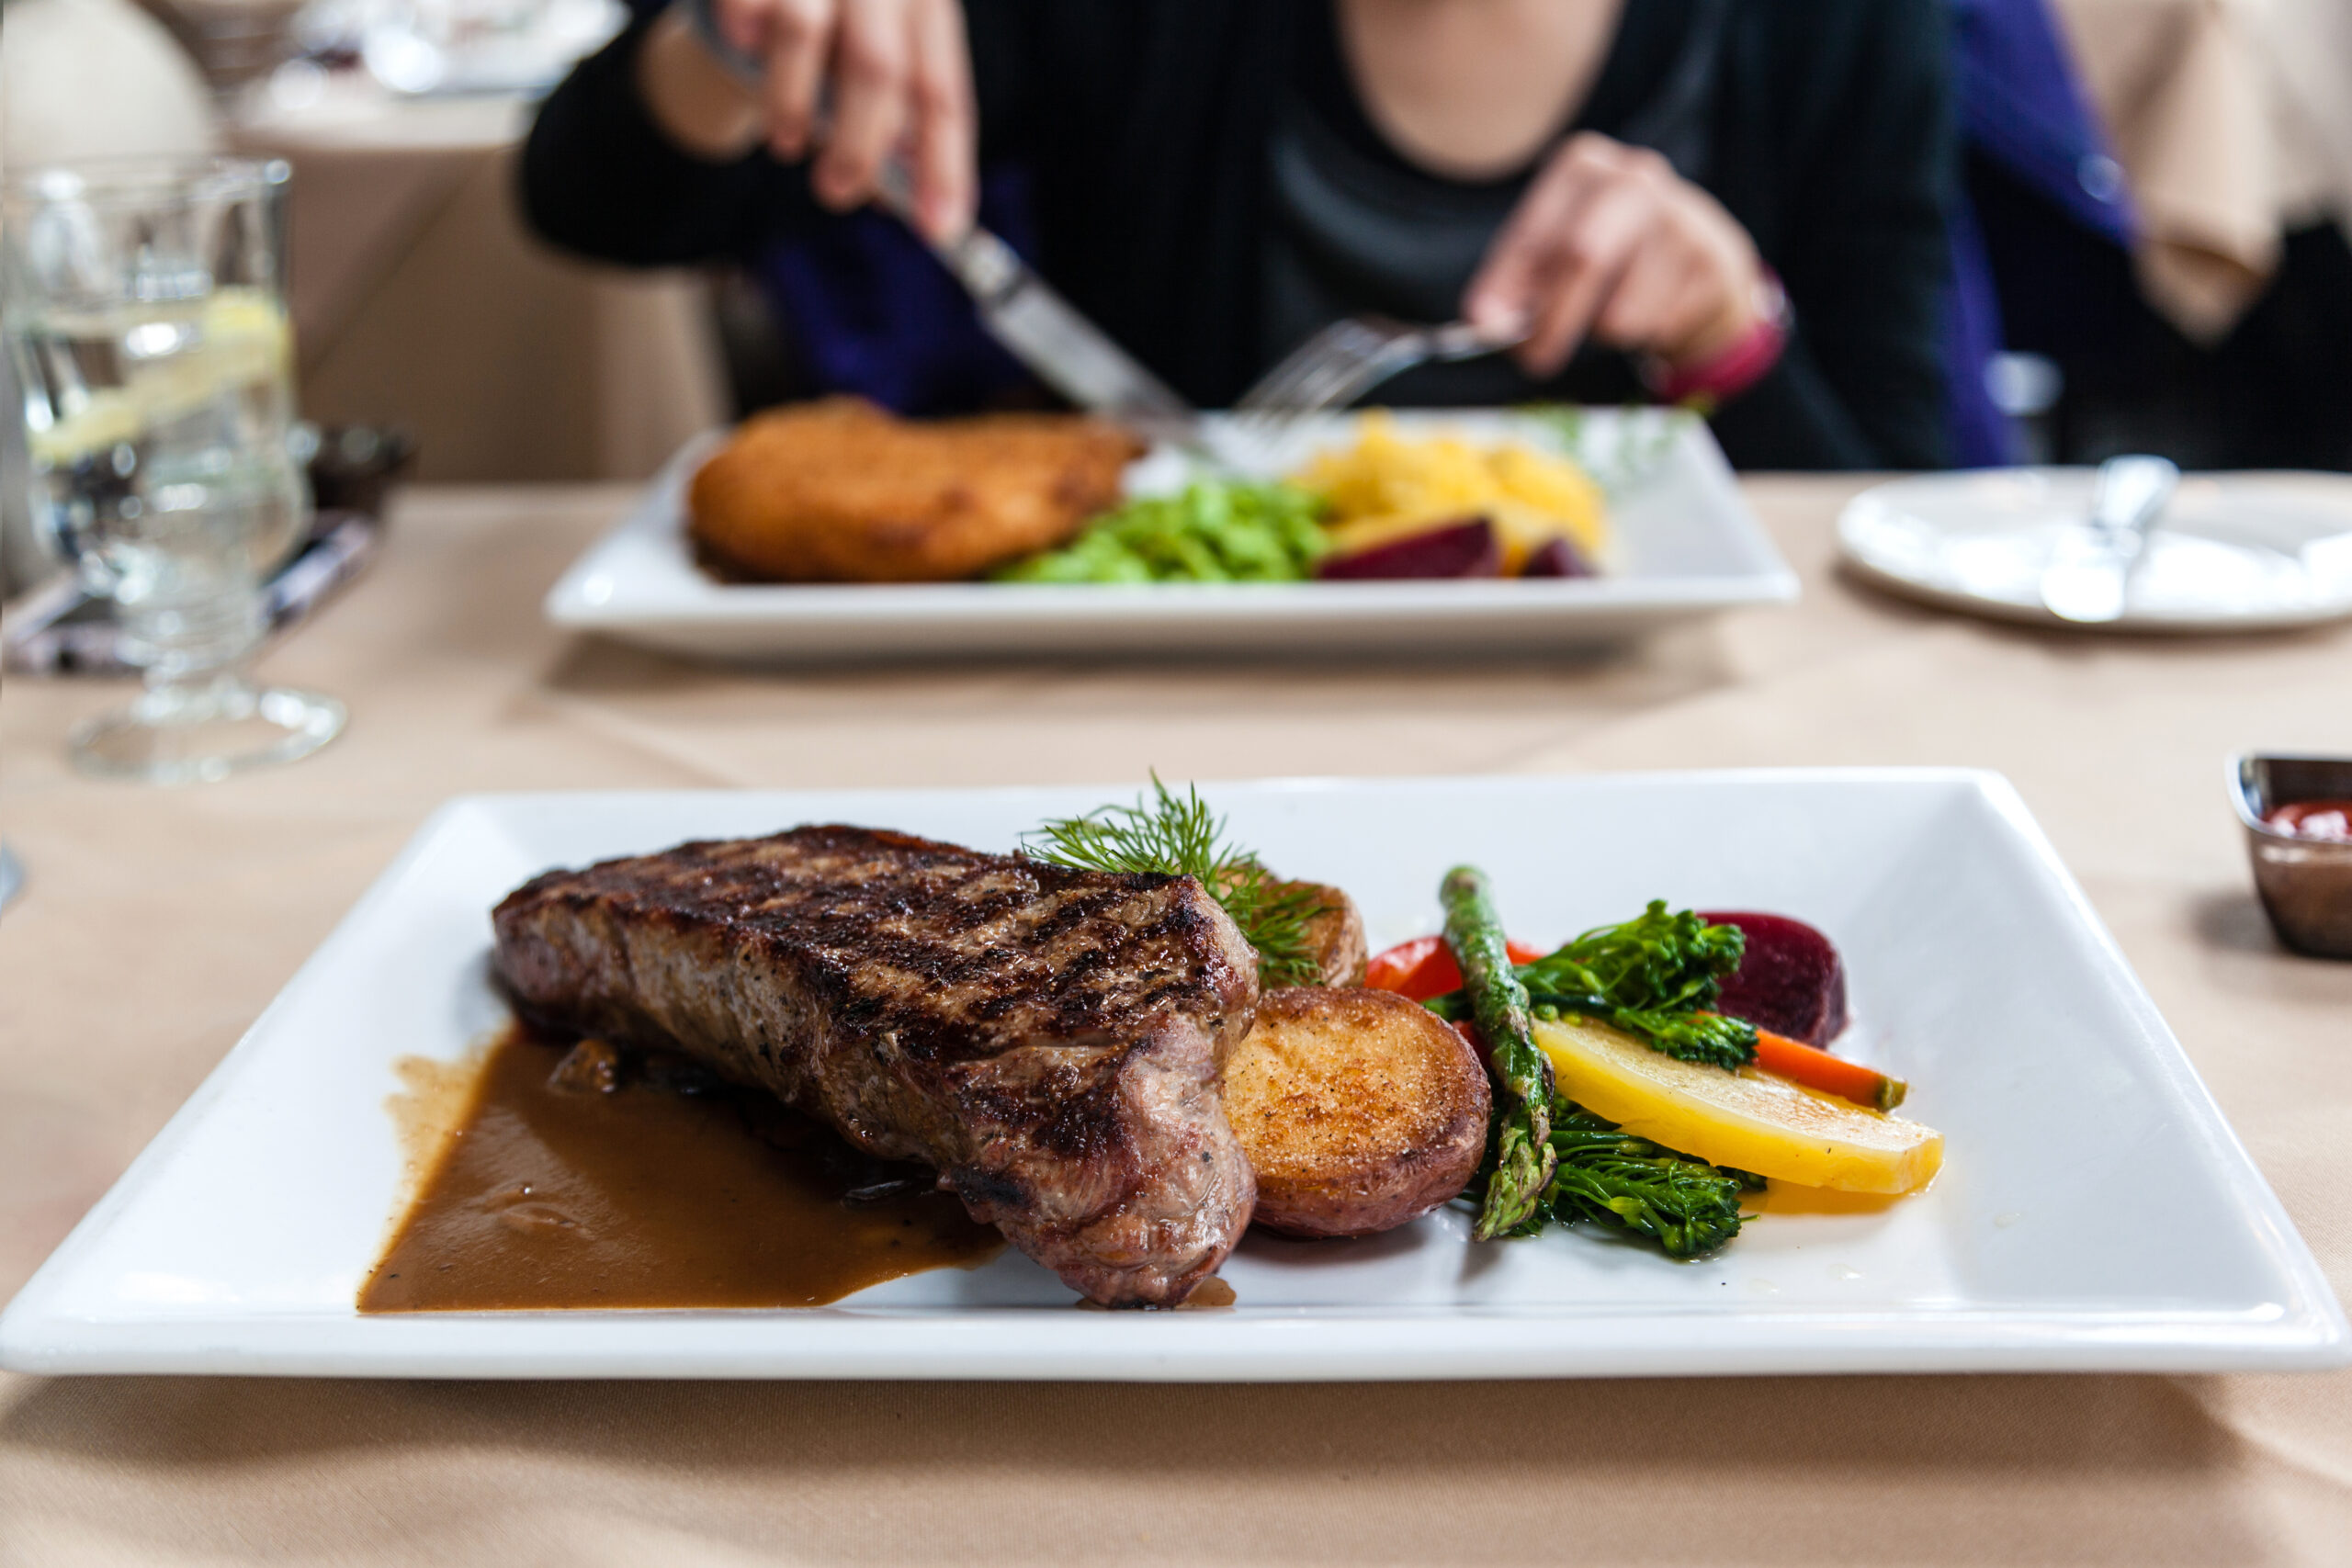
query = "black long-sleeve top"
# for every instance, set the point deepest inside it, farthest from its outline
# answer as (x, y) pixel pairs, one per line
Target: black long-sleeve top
(1145, 125)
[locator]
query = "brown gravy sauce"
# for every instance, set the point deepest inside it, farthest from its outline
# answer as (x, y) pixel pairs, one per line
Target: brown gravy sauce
(640, 1182)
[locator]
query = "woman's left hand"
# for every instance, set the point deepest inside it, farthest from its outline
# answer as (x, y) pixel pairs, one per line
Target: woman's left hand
(1610, 243)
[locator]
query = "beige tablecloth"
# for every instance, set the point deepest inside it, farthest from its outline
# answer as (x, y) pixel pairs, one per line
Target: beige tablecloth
(420, 299)
(157, 925)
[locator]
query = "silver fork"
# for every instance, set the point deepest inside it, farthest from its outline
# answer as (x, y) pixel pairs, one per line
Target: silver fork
(1346, 360)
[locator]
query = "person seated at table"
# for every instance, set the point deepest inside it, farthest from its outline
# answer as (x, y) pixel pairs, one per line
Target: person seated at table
(1738, 203)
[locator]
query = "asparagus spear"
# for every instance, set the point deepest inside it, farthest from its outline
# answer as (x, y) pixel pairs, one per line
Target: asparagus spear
(1524, 1158)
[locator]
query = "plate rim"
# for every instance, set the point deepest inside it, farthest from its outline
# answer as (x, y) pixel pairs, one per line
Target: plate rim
(2311, 1334)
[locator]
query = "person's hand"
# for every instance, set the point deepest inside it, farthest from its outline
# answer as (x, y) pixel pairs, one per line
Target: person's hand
(1610, 243)
(856, 81)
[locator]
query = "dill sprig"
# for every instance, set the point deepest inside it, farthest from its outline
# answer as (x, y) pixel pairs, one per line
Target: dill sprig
(1179, 836)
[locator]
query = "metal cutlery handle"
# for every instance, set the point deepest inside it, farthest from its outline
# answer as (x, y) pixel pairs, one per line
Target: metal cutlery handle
(2088, 578)
(2132, 491)
(989, 269)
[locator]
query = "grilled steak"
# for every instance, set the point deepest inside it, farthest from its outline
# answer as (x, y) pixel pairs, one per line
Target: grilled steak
(1050, 1040)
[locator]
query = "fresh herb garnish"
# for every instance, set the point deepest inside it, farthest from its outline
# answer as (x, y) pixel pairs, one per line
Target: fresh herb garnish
(1656, 977)
(1177, 835)
(1608, 1176)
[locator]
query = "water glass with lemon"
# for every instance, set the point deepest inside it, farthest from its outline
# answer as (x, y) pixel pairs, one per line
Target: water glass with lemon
(144, 306)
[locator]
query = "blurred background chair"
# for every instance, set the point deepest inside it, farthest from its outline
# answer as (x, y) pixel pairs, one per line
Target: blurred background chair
(420, 301)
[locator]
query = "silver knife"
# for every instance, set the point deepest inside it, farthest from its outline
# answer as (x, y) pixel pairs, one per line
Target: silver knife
(2089, 574)
(1044, 331)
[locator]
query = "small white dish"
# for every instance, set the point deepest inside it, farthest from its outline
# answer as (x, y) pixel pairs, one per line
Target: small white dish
(2232, 553)
(1687, 546)
(2095, 1211)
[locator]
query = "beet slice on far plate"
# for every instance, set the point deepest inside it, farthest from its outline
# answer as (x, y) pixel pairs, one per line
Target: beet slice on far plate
(1556, 558)
(1791, 980)
(1467, 548)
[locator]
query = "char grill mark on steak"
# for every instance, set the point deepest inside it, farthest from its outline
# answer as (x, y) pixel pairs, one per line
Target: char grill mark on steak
(1049, 1039)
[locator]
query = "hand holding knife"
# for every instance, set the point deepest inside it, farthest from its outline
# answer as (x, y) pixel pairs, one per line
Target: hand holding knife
(1040, 328)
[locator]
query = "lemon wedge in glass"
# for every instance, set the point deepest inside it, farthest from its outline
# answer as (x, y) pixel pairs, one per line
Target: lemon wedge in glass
(1746, 1120)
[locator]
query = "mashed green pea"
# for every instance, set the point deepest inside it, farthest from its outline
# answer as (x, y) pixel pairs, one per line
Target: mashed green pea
(1213, 531)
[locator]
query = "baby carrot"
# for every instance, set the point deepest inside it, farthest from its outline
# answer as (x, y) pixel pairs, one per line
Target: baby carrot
(1800, 1063)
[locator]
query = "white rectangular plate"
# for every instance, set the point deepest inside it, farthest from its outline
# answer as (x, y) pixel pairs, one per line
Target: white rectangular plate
(1687, 546)
(2094, 1211)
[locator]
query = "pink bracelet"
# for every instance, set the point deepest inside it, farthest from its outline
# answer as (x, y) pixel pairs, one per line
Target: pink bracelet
(1724, 375)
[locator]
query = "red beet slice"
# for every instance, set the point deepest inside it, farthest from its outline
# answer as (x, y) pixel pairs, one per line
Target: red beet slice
(1791, 980)
(1469, 549)
(1558, 558)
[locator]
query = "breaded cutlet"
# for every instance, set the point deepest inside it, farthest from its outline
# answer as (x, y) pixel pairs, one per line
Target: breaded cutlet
(839, 490)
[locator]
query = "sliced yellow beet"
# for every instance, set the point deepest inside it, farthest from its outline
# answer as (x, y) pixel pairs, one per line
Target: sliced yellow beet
(1748, 1120)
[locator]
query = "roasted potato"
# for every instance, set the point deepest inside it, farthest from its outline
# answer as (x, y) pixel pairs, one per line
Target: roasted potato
(1358, 1109)
(1337, 934)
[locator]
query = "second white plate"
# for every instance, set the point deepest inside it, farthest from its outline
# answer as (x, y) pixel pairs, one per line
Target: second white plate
(1687, 546)
(2232, 553)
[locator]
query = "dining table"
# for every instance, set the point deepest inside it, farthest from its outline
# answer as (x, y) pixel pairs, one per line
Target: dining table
(156, 925)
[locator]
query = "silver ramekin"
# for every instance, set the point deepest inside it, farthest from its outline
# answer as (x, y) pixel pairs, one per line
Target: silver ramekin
(2306, 886)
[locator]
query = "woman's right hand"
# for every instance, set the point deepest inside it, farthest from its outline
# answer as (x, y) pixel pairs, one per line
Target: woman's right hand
(857, 81)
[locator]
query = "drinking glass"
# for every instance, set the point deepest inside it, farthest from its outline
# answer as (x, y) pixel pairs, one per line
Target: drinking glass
(144, 306)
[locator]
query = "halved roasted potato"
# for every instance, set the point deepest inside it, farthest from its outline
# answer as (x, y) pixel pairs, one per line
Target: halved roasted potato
(1336, 933)
(1358, 1109)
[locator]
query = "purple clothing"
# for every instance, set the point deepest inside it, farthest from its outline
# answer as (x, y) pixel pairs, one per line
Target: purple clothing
(2021, 105)
(875, 313)
(2021, 109)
